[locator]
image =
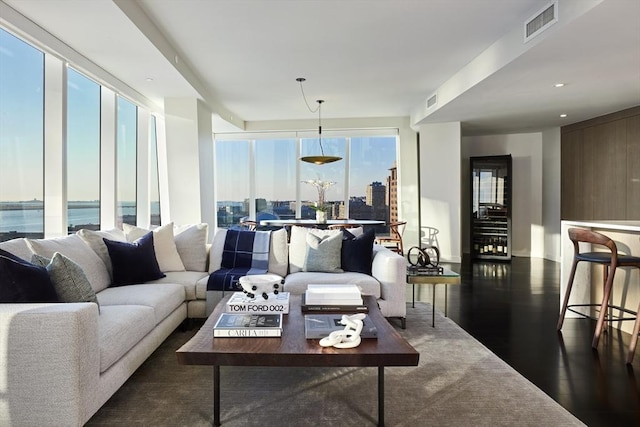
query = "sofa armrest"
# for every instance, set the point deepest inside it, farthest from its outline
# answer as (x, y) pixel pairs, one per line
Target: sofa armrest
(49, 363)
(390, 269)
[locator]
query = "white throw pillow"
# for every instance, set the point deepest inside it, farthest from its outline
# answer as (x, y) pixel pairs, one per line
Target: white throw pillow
(279, 253)
(163, 244)
(191, 242)
(95, 241)
(217, 246)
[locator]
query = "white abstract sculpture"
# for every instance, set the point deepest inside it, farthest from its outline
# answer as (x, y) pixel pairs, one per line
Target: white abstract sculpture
(349, 337)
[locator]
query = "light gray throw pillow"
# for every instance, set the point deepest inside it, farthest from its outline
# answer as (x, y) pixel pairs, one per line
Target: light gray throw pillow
(68, 279)
(323, 252)
(191, 243)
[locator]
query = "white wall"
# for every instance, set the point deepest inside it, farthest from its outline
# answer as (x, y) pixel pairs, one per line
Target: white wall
(183, 120)
(528, 230)
(551, 177)
(440, 208)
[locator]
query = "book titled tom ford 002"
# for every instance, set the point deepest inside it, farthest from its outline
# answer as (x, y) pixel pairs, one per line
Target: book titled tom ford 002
(241, 303)
(244, 325)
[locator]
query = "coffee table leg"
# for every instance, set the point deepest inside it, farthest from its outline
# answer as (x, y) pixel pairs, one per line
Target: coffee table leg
(380, 396)
(216, 395)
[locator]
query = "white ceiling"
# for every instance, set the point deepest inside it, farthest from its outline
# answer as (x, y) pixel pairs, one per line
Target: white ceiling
(366, 58)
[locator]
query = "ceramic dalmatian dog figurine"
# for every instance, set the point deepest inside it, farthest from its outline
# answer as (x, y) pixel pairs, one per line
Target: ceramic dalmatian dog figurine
(261, 284)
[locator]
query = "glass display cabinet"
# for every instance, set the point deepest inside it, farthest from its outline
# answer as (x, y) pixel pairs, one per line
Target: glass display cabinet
(491, 207)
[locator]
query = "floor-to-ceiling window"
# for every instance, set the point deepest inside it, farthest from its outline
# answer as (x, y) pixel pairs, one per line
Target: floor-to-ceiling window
(266, 172)
(372, 185)
(154, 180)
(21, 139)
(126, 158)
(232, 181)
(87, 118)
(83, 152)
(275, 171)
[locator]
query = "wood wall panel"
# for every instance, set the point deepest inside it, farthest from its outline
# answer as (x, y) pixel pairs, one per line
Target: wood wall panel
(633, 167)
(572, 188)
(608, 148)
(600, 168)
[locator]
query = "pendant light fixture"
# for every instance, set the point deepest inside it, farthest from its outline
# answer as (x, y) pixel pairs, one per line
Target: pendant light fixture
(322, 159)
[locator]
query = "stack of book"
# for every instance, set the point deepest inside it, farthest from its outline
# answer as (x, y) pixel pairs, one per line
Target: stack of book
(333, 298)
(236, 325)
(242, 303)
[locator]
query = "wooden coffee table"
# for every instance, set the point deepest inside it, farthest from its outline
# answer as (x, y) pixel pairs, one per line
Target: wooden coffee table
(292, 349)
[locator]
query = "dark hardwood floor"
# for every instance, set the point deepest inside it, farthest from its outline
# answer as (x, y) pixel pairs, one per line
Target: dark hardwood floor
(512, 308)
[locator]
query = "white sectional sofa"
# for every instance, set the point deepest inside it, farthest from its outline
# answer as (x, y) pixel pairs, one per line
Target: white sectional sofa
(60, 362)
(386, 281)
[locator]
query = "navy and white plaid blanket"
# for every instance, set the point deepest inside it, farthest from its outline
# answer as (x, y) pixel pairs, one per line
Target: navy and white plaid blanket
(244, 253)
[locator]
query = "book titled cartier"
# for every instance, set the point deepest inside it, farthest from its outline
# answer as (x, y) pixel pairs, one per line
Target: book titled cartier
(240, 325)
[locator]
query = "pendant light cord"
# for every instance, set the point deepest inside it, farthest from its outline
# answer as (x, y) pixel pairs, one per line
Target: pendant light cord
(301, 80)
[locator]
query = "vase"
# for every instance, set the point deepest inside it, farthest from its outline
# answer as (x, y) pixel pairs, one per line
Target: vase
(321, 217)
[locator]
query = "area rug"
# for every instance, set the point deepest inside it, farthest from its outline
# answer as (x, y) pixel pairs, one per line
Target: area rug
(458, 382)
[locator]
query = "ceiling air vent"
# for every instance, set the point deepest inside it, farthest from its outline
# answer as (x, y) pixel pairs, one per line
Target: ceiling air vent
(541, 21)
(432, 101)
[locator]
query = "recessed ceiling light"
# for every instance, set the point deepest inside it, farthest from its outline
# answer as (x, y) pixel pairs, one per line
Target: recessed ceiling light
(563, 115)
(558, 85)
(149, 79)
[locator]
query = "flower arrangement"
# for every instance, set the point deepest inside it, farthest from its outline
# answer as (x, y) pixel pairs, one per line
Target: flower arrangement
(321, 187)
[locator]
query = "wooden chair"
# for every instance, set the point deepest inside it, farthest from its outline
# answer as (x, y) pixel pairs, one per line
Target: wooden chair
(341, 226)
(249, 225)
(610, 261)
(394, 240)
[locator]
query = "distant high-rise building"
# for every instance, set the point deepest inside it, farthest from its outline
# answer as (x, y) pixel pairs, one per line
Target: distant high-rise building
(376, 198)
(392, 193)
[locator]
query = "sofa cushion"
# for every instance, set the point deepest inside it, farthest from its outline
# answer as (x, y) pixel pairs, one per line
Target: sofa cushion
(191, 243)
(188, 279)
(298, 245)
(163, 298)
(21, 281)
(323, 252)
(296, 283)
(163, 244)
(95, 241)
(17, 247)
(69, 281)
(120, 328)
(133, 262)
(357, 252)
(74, 248)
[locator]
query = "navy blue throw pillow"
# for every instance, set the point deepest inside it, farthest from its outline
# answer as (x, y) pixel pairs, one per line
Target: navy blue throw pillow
(21, 281)
(133, 263)
(357, 252)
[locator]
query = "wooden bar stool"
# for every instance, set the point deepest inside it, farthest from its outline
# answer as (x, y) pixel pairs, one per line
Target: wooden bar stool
(610, 261)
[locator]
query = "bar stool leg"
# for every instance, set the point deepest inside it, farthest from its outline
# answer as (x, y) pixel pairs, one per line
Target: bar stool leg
(603, 307)
(634, 338)
(567, 294)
